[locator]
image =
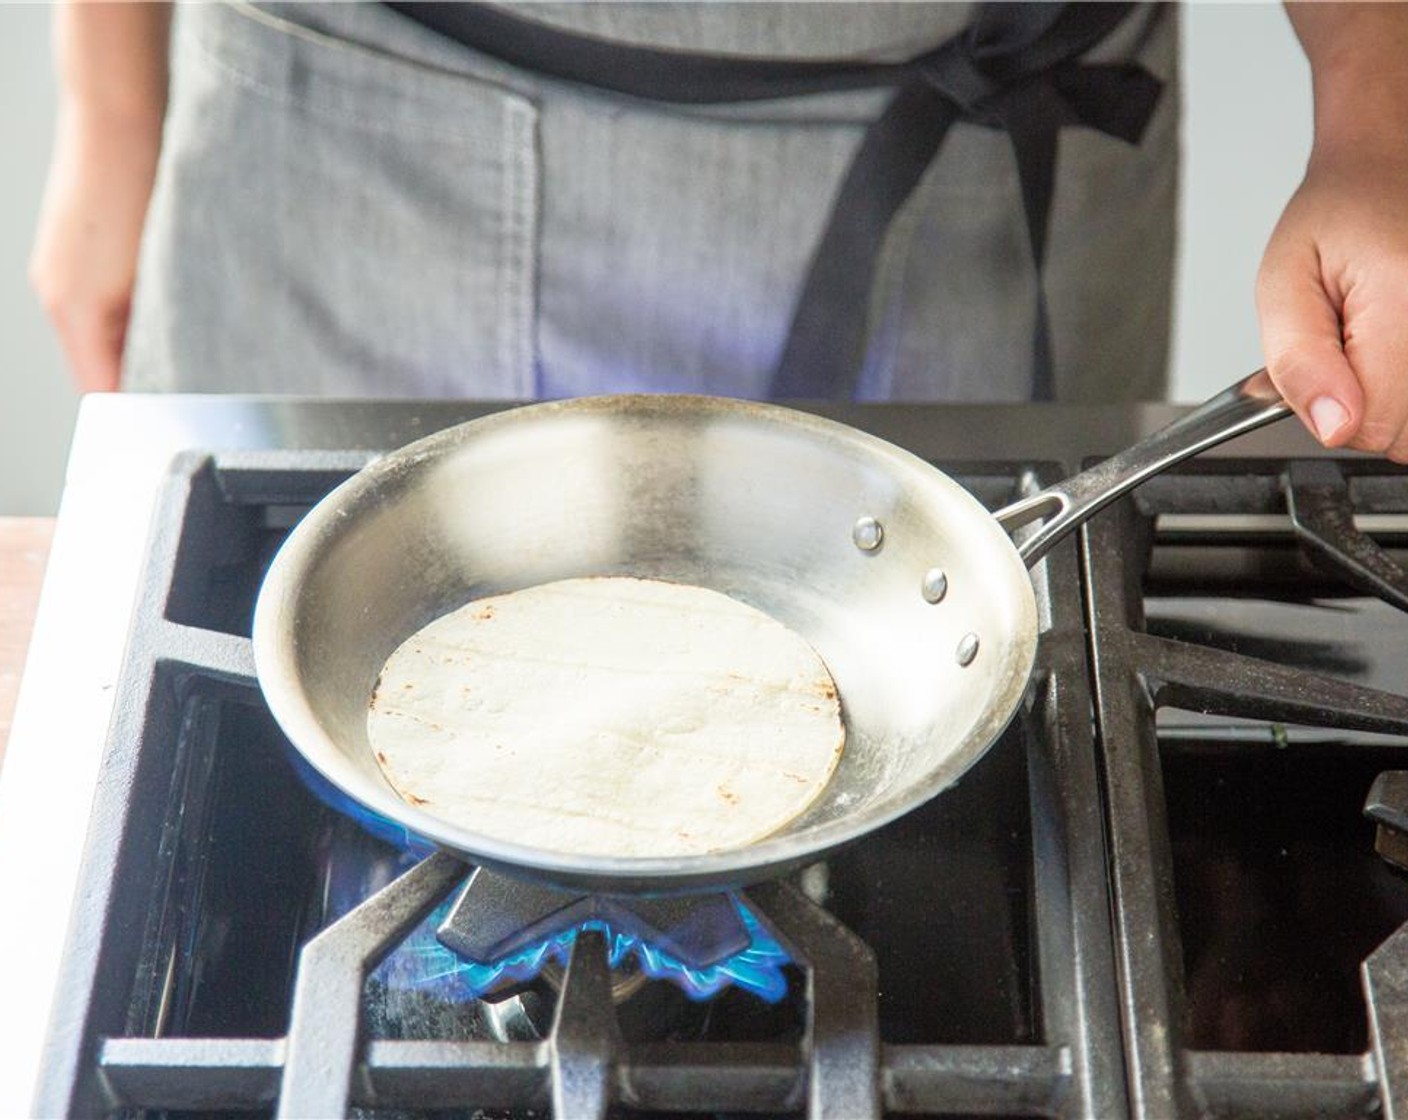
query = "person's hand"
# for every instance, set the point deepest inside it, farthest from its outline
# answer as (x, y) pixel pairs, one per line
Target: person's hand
(84, 260)
(1333, 288)
(1333, 300)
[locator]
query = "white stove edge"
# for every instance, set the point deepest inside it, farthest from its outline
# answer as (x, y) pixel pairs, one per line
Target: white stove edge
(119, 456)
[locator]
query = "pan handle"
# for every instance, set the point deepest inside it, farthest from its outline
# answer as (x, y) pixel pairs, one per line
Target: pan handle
(1249, 404)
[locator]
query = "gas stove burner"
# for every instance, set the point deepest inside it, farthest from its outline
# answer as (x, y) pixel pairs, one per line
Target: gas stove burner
(497, 917)
(1153, 897)
(503, 932)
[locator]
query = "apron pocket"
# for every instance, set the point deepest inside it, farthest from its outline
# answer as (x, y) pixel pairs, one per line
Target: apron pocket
(333, 219)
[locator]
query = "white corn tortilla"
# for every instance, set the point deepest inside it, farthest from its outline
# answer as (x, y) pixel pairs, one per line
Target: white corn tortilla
(608, 716)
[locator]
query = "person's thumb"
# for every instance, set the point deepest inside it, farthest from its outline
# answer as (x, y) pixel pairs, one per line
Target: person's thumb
(1303, 346)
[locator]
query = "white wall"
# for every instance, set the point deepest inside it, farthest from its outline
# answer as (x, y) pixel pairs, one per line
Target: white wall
(1247, 130)
(1247, 134)
(36, 403)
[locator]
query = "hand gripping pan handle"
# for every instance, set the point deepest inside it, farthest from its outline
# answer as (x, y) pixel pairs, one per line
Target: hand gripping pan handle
(1247, 405)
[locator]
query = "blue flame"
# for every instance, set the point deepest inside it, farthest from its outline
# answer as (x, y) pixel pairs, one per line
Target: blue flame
(422, 962)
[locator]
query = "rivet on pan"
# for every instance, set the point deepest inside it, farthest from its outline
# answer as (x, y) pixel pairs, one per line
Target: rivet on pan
(967, 649)
(867, 533)
(935, 585)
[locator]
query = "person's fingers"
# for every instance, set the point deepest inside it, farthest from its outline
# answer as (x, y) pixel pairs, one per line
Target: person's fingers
(1333, 301)
(1302, 343)
(1376, 344)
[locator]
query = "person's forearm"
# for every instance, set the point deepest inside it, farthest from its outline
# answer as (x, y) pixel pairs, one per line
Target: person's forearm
(111, 65)
(111, 60)
(1359, 64)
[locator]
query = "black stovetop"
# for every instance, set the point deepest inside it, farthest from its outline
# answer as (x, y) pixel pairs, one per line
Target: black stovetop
(1154, 895)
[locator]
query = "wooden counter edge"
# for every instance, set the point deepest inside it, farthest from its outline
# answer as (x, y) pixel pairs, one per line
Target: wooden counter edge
(24, 551)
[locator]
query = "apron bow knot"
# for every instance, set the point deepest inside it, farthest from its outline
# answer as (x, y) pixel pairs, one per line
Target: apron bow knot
(1016, 67)
(953, 71)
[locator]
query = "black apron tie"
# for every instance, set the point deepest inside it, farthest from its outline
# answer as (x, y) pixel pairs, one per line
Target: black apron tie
(1016, 67)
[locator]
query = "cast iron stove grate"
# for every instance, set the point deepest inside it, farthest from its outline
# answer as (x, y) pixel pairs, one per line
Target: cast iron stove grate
(1250, 656)
(962, 963)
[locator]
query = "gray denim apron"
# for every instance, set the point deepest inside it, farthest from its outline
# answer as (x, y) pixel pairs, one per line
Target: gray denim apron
(348, 204)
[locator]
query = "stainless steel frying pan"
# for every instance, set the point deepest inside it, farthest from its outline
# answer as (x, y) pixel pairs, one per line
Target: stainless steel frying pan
(915, 595)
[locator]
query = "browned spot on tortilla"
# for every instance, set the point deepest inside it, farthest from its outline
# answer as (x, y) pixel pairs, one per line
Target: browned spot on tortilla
(828, 689)
(802, 778)
(380, 757)
(414, 799)
(485, 614)
(728, 795)
(408, 686)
